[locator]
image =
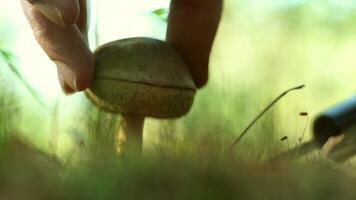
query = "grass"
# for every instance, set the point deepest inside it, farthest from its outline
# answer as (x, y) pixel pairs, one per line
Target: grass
(9, 104)
(259, 52)
(188, 175)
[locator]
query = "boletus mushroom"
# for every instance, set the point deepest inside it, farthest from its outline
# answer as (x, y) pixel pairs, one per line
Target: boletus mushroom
(140, 77)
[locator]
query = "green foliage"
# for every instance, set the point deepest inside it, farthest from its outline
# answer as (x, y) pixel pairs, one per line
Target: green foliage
(9, 104)
(330, 16)
(258, 53)
(102, 129)
(29, 174)
(9, 60)
(162, 13)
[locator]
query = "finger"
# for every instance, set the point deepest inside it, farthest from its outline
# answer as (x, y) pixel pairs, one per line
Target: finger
(62, 12)
(82, 21)
(65, 46)
(65, 87)
(192, 25)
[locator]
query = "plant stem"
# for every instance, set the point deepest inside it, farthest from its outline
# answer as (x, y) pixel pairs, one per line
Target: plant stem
(131, 134)
(262, 113)
(303, 133)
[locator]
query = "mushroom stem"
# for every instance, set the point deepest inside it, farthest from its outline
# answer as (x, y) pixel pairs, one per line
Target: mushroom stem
(131, 134)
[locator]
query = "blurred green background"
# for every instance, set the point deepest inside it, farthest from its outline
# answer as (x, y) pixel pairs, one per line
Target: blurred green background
(262, 48)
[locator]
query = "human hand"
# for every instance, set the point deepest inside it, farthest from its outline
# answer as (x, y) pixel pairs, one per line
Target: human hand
(192, 26)
(60, 27)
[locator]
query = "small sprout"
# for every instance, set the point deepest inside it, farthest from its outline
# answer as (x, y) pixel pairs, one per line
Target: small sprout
(300, 139)
(305, 127)
(303, 114)
(284, 138)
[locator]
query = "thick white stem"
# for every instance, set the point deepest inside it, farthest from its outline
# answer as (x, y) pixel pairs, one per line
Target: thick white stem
(131, 134)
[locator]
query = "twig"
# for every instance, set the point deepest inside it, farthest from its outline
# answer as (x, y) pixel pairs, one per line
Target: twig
(291, 154)
(262, 113)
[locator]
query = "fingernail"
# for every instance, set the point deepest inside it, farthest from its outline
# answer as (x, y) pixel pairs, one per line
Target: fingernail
(67, 75)
(65, 87)
(51, 12)
(75, 86)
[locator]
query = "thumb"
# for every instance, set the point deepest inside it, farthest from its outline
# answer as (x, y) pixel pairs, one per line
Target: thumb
(61, 12)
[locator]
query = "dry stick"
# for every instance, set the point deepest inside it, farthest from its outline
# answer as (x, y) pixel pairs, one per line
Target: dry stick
(262, 113)
(309, 146)
(291, 154)
(343, 149)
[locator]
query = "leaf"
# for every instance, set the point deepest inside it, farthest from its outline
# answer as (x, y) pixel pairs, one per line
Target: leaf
(161, 13)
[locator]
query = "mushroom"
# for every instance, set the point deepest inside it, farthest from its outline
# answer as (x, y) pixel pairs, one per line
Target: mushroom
(140, 77)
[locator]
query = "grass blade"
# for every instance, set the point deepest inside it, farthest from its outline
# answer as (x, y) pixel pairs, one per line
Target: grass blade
(243, 133)
(8, 58)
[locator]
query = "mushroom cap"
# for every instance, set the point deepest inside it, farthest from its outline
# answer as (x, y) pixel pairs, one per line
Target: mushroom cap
(141, 76)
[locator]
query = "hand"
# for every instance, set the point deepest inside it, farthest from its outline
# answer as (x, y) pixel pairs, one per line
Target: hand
(192, 26)
(60, 27)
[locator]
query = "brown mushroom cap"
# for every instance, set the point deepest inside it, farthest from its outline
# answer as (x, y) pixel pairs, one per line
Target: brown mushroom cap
(141, 76)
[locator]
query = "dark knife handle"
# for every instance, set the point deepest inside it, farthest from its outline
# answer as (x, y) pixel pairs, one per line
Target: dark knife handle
(335, 120)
